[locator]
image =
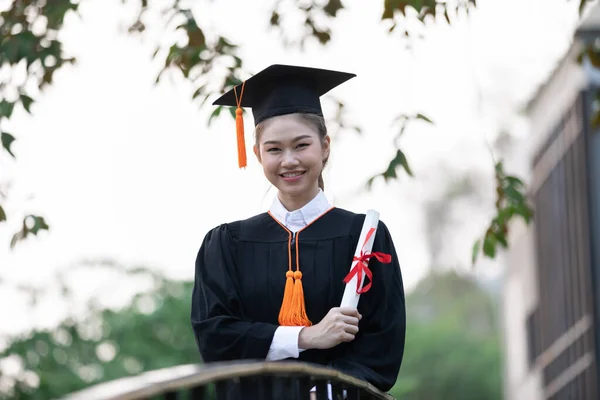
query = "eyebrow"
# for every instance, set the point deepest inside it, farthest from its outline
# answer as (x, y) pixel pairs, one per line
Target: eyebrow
(297, 138)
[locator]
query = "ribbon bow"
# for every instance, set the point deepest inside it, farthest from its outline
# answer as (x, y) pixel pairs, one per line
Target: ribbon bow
(362, 265)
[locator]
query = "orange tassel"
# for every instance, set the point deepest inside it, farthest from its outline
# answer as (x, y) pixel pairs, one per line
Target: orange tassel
(241, 143)
(239, 128)
(286, 304)
(298, 314)
(293, 311)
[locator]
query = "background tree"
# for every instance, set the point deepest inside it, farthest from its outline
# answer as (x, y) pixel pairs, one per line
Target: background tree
(452, 348)
(30, 48)
(150, 330)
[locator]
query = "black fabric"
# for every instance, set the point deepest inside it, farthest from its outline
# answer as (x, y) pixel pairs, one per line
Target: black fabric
(239, 284)
(284, 89)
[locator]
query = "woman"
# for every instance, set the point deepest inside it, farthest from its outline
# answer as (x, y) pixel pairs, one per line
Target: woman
(269, 287)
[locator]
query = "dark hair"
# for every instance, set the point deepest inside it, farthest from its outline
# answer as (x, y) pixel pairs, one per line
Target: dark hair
(317, 122)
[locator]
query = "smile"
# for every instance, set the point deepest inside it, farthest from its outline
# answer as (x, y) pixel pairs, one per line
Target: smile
(292, 174)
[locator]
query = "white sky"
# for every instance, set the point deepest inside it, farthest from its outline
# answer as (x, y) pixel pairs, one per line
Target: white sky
(127, 170)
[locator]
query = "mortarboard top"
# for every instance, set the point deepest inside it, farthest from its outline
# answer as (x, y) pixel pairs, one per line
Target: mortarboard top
(279, 90)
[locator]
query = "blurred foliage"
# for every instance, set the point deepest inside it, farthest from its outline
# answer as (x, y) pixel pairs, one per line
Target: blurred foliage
(152, 331)
(442, 361)
(510, 202)
(399, 160)
(29, 44)
(210, 62)
(452, 348)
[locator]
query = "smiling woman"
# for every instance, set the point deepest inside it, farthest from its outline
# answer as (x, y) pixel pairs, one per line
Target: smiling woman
(269, 287)
(293, 150)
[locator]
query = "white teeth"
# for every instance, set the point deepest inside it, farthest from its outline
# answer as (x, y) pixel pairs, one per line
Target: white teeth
(291, 175)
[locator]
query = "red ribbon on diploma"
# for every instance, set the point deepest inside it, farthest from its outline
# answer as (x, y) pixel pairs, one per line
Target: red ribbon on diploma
(362, 265)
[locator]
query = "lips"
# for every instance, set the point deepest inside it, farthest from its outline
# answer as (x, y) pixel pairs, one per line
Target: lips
(292, 174)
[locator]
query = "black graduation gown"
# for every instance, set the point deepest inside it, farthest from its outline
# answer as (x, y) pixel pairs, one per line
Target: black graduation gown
(239, 285)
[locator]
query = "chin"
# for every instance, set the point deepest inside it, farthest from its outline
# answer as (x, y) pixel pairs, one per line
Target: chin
(299, 189)
(295, 191)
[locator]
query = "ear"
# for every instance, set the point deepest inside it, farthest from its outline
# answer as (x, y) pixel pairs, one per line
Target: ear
(257, 153)
(326, 147)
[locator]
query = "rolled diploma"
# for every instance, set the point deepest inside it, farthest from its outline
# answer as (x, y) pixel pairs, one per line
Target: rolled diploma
(350, 297)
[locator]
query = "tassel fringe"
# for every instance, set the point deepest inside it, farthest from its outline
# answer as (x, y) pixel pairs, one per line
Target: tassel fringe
(241, 142)
(293, 310)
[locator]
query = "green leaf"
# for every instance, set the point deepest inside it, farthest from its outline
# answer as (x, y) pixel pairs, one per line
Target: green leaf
(232, 112)
(38, 224)
(274, 21)
(323, 36)
(390, 172)
(523, 210)
(6, 109)
(332, 7)
(7, 141)
(514, 181)
(370, 182)
(404, 162)
(198, 91)
(388, 11)
(2, 214)
(489, 245)
(398, 160)
(504, 215)
(501, 238)
(475, 251)
(499, 168)
(216, 112)
(26, 101)
(424, 118)
(514, 195)
(196, 37)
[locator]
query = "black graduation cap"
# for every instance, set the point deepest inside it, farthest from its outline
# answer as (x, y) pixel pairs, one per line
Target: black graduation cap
(279, 90)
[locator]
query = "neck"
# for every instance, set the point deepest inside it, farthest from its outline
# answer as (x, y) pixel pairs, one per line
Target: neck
(296, 202)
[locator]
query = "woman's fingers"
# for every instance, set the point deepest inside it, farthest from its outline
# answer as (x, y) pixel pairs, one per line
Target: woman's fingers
(351, 320)
(350, 311)
(347, 337)
(351, 329)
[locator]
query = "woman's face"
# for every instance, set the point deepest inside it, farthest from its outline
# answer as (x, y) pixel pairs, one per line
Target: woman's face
(291, 154)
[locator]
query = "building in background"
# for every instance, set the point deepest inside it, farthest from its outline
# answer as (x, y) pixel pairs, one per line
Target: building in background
(551, 296)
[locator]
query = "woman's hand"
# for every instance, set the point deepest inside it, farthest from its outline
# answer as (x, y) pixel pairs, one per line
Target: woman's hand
(339, 325)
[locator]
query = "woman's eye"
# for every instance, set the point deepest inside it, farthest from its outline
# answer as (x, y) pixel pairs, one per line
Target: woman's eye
(272, 150)
(302, 145)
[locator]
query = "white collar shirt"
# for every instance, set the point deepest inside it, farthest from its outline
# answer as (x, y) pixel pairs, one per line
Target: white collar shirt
(298, 219)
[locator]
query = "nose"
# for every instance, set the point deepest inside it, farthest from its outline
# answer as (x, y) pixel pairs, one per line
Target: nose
(289, 159)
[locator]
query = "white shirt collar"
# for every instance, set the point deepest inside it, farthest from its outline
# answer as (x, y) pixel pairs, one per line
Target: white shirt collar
(298, 219)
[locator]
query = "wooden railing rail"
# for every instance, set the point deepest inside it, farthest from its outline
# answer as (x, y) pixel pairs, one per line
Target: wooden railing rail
(225, 380)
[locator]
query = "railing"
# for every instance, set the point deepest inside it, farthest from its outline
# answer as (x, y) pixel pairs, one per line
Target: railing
(231, 380)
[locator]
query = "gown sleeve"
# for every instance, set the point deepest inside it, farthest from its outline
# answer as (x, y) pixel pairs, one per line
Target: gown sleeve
(375, 354)
(221, 331)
